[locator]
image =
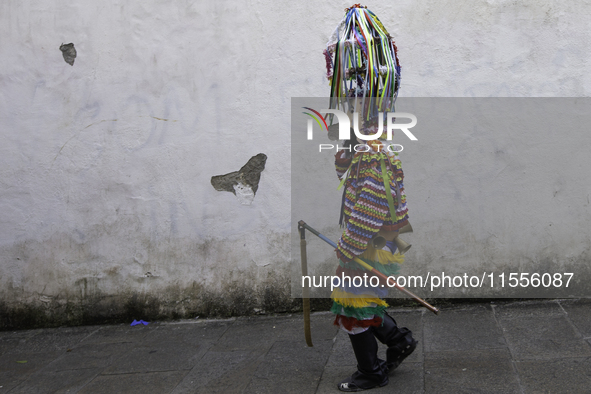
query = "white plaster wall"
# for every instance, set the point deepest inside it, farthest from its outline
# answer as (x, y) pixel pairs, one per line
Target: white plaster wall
(105, 165)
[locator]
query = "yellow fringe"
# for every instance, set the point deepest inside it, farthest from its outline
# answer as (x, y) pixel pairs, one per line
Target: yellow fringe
(385, 257)
(355, 300)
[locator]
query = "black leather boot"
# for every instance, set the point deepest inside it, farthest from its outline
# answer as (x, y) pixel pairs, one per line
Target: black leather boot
(371, 371)
(399, 341)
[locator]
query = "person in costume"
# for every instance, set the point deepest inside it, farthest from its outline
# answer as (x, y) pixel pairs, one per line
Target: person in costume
(364, 73)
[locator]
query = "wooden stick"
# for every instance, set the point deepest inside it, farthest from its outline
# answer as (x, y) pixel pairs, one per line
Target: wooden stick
(302, 224)
(305, 290)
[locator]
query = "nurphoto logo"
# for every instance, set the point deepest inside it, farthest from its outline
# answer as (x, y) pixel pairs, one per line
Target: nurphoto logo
(344, 129)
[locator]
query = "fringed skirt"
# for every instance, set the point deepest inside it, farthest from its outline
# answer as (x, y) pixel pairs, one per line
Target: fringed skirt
(357, 301)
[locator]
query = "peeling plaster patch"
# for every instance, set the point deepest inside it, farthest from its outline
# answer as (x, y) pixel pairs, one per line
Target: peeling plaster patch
(243, 183)
(244, 193)
(69, 53)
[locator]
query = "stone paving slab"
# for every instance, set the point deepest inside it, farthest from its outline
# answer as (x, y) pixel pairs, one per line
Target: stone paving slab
(18, 367)
(469, 371)
(119, 334)
(543, 338)
(52, 340)
(221, 370)
(478, 330)
(139, 383)
(89, 356)
(158, 357)
(300, 368)
(523, 309)
(568, 375)
(69, 381)
(535, 346)
(11, 339)
(580, 315)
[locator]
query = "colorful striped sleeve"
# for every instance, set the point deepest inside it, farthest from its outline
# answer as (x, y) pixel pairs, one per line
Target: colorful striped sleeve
(366, 207)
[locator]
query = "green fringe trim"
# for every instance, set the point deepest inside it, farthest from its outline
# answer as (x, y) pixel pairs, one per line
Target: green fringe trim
(358, 313)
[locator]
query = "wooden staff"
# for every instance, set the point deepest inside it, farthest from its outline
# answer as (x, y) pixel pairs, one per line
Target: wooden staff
(302, 224)
(305, 289)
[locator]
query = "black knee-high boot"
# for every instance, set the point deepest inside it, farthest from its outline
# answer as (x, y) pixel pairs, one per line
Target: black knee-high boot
(399, 341)
(371, 372)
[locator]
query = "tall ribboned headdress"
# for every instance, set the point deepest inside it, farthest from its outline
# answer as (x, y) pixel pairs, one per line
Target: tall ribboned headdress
(361, 61)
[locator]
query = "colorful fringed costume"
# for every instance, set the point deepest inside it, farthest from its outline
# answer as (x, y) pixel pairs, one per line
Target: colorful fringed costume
(364, 74)
(365, 79)
(366, 211)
